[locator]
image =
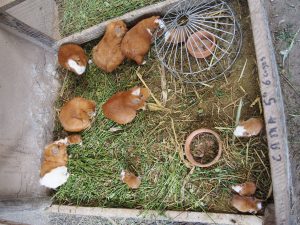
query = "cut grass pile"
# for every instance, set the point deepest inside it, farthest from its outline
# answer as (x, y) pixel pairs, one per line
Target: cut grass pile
(77, 15)
(152, 144)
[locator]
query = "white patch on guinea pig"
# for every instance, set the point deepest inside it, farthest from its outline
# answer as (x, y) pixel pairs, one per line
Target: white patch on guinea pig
(62, 141)
(136, 92)
(55, 177)
(78, 69)
(123, 174)
(149, 31)
(237, 188)
(240, 131)
(160, 23)
(167, 35)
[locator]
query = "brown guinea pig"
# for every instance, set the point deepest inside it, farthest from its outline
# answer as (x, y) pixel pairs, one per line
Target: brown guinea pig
(248, 128)
(130, 179)
(72, 57)
(76, 114)
(246, 204)
(122, 106)
(107, 53)
(137, 41)
(55, 155)
(245, 189)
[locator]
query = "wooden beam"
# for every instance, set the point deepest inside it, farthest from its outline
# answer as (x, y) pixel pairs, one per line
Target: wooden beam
(130, 18)
(22, 30)
(273, 112)
(7, 4)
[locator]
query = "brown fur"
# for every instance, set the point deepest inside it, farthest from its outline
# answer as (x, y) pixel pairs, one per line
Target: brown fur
(74, 139)
(137, 41)
(122, 106)
(245, 204)
(131, 180)
(107, 53)
(55, 155)
(71, 51)
(76, 114)
(253, 126)
(247, 189)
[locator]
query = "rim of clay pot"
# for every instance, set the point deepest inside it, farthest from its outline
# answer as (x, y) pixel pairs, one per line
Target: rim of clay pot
(189, 140)
(197, 53)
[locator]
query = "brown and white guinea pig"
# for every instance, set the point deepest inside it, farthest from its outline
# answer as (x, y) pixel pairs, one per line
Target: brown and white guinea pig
(107, 54)
(130, 179)
(122, 106)
(55, 155)
(137, 41)
(76, 114)
(248, 128)
(246, 204)
(245, 189)
(72, 57)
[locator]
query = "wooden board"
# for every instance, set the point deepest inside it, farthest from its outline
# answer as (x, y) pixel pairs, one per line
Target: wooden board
(6, 4)
(273, 111)
(96, 31)
(21, 29)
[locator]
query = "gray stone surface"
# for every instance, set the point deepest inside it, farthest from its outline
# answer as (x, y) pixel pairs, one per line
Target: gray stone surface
(28, 87)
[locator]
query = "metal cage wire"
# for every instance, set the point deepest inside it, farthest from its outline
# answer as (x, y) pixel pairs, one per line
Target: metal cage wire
(195, 26)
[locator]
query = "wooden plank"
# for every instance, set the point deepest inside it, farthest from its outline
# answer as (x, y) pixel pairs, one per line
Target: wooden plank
(174, 216)
(21, 29)
(129, 18)
(273, 111)
(6, 4)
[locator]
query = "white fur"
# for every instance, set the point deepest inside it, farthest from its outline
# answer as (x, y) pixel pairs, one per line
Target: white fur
(79, 69)
(237, 188)
(123, 174)
(149, 31)
(136, 92)
(90, 61)
(62, 141)
(239, 131)
(160, 23)
(55, 177)
(259, 205)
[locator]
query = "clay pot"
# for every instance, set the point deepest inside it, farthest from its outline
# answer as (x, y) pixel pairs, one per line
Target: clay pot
(198, 45)
(188, 152)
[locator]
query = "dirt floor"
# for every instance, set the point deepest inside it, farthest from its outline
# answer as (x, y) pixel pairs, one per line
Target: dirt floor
(284, 19)
(151, 146)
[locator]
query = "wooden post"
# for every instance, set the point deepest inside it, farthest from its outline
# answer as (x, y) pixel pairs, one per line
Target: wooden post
(21, 29)
(273, 112)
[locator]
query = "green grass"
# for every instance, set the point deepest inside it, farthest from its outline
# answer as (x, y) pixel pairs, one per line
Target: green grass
(77, 15)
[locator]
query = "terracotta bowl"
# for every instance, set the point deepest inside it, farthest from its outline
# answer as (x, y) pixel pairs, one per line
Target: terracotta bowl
(188, 152)
(198, 45)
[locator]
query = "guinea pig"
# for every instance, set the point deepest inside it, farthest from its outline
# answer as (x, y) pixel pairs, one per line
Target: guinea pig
(130, 179)
(55, 155)
(246, 204)
(137, 41)
(248, 128)
(245, 189)
(122, 107)
(72, 57)
(107, 54)
(76, 114)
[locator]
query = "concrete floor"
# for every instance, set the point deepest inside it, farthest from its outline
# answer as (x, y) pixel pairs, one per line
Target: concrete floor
(28, 87)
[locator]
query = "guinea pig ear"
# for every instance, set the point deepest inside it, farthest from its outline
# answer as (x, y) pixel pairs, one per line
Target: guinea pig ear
(55, 150)
(136, 92)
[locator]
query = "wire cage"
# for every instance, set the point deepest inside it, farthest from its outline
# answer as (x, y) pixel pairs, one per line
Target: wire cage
(199, 40)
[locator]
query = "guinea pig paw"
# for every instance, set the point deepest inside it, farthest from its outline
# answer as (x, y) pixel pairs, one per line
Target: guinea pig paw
(144, 62)
(90, 61)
